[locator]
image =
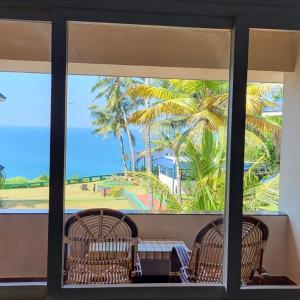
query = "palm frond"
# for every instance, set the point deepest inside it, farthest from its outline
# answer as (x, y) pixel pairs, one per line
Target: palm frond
(179, 106)
(149, 91)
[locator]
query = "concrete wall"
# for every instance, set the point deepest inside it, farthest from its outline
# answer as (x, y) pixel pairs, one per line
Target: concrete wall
(23, 238)
(170, 182)
(290, 166)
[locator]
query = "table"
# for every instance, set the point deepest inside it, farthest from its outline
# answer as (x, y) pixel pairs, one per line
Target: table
(155, 256)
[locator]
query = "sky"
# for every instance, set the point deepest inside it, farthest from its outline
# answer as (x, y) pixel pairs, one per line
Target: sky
(28, 99)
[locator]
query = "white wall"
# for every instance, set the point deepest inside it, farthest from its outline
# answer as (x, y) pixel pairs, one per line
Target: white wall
(290, 167)
(23, 239)
(170, 182)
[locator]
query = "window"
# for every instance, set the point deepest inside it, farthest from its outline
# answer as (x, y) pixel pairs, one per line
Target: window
(137, 117)
(122, 124)
(270, 152)
(24, 149)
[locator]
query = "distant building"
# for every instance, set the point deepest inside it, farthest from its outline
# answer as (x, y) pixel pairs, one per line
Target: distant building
(167, 170)
(274, 111)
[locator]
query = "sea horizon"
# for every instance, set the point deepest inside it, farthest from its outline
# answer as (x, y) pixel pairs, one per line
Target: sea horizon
(25, 151)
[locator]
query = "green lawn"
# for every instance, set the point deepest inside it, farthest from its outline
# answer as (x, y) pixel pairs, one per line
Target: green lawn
(37, 198)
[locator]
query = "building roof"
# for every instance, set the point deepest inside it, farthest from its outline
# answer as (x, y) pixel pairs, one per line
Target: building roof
(168, 162)
(276, 110)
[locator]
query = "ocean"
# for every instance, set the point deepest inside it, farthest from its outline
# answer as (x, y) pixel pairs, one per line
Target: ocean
(25, 151)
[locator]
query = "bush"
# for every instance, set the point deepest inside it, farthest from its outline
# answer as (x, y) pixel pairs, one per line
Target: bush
(17, 180)
(2, 181)
(41, 178)
(116, 192)
(2, 177)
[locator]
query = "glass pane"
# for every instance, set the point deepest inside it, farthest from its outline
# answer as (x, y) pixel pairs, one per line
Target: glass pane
(146, 138)
(270, 170)
(24, 149)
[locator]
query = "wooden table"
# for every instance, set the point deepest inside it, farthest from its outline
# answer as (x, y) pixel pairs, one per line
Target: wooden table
(155, 256)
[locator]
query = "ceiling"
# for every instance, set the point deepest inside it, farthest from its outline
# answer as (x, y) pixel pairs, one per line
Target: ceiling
(152, 51)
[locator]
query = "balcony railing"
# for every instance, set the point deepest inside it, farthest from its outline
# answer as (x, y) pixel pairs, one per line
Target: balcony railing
(23, 235)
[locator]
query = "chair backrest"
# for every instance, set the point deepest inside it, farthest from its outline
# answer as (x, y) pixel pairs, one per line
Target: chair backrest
(206, 262)
(100, 247)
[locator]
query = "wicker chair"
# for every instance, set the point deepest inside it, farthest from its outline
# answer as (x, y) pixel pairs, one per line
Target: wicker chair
(205, 263)
(100, 248)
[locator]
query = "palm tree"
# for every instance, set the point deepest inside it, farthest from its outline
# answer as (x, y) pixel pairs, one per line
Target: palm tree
(201, 105)
(147, 133)
(206, 172)
(112, 89)
(108, 122)
(2, 176)
(170, 141)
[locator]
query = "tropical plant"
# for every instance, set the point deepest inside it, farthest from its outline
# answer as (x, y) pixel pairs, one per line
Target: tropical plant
(113, 91)
(191, 115)
(2, 174)
(43, 178)
(206, 172)
(198, 105)
(147, 103)
(168, 140)
(17, 180)
(2, 177)
(108, 122)
(260, 193)
(206, 169)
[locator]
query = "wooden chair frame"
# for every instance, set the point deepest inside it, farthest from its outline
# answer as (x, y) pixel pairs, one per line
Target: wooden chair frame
(205, 263)
(100, 248)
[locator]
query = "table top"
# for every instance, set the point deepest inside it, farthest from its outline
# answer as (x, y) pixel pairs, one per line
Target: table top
(158, 249)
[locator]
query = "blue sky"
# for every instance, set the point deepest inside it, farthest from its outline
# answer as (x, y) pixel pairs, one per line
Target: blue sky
(28, 99)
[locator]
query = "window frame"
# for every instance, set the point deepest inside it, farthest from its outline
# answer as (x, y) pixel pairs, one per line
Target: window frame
(284, 23)
(287, 18)
(55, 287)
(25, 290)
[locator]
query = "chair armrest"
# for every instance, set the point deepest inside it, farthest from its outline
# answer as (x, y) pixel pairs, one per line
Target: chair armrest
(179, 263)
(66, 265)
(137, 268)
(262, 273)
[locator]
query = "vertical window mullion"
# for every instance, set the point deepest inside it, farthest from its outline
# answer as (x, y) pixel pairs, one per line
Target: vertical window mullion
(57, 153)
(235, 159)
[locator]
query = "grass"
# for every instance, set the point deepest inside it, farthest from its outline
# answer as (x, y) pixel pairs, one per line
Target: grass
(38, 198)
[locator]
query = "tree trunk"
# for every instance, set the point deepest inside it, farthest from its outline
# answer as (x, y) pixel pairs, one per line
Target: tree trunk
(129, 139)
(178, 179)
(122, 152)
(148, 160)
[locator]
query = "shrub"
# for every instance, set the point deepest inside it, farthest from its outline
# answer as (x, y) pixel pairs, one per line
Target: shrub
(116, 192)
(17, 180)
(41, 178)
